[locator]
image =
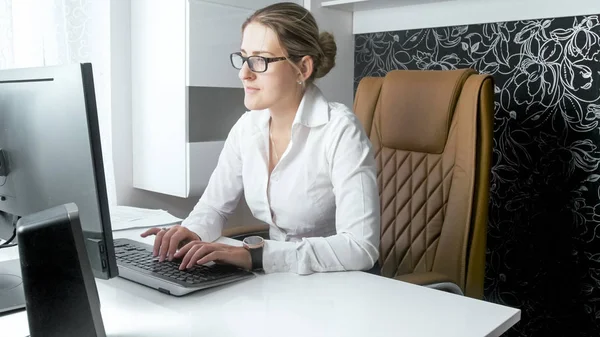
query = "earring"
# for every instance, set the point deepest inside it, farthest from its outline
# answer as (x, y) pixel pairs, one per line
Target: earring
(299, 82)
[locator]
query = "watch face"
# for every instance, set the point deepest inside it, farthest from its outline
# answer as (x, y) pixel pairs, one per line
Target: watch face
(253, 240)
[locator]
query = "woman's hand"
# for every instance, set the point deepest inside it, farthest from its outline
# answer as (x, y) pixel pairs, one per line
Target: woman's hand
(168, 240)
(198, 252)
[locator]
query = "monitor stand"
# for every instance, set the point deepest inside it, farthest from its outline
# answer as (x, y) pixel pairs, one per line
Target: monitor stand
(12, 295)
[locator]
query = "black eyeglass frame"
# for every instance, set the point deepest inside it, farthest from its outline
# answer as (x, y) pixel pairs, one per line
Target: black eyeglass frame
(267, 60)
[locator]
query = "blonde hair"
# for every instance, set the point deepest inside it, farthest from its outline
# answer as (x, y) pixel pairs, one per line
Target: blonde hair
(298, 33)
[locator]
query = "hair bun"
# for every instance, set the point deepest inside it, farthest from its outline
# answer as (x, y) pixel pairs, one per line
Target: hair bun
(327, 60)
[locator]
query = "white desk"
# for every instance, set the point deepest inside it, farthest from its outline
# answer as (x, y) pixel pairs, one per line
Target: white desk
(326, 304)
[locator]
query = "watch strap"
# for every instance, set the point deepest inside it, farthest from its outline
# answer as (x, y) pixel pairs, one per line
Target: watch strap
(256, 255)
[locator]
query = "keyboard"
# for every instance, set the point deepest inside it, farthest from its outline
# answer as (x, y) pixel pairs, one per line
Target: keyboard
(136, 263)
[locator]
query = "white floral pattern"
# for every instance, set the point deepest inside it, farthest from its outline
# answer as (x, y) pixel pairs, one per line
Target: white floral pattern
(544, 220)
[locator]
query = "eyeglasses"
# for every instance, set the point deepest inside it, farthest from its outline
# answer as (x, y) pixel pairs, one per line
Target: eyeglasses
(257, 64)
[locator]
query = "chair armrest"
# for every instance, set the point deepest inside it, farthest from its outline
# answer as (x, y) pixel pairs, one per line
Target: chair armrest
(240, 232)
(432, 280)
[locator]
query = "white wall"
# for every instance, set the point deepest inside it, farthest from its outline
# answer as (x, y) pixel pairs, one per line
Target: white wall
(122, 127)
(461, 12)
(338, 85)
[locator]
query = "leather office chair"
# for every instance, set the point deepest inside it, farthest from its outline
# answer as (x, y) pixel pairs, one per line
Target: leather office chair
(432, 134)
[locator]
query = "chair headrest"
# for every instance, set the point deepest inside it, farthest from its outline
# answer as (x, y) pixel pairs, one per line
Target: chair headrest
(416, 107)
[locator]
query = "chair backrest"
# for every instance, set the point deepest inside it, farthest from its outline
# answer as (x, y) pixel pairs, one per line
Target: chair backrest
(432, 135)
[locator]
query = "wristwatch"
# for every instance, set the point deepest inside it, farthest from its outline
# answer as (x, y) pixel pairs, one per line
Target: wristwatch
(254, 244)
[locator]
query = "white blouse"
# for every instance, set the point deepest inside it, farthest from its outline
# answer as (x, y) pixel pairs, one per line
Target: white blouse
(322, 203)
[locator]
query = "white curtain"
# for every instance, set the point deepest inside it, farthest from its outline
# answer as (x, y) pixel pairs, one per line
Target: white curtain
(52, 32)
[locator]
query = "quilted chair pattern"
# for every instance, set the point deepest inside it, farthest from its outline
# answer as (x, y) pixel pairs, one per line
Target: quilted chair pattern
(414, 190)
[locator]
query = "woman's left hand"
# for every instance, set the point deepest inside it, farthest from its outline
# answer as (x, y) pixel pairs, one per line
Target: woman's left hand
(199, 252)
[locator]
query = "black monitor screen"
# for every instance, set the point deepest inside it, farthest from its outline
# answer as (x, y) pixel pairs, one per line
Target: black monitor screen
(51, 153)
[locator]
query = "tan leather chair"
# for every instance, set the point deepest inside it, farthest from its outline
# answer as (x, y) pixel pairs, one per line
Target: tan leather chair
(240, 232)
(432, 134)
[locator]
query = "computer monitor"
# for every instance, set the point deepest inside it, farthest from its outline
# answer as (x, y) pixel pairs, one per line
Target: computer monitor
(51, 154)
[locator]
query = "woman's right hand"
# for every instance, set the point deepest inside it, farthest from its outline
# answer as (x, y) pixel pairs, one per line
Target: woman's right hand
(168, 240)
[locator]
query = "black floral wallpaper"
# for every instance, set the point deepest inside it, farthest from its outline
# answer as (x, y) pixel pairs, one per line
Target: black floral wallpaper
(544, 221)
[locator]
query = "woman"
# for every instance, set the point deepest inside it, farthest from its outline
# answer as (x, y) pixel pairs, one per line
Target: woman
(306, 166)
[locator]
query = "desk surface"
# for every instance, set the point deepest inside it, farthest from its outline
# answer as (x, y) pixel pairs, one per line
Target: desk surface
(284, 304)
